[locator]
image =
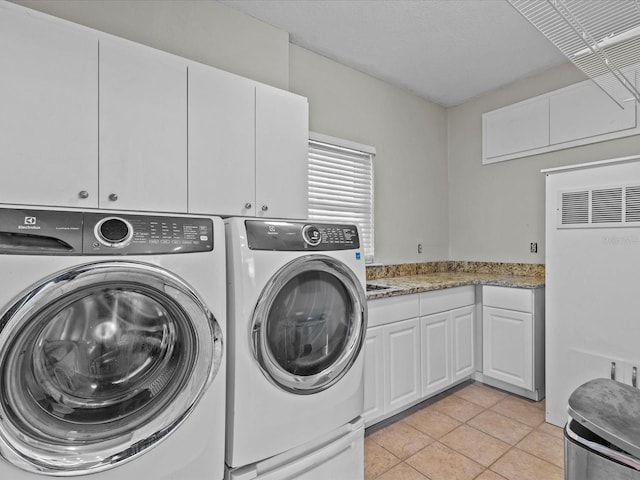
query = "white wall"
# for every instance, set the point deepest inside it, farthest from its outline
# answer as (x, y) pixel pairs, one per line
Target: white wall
(497, 210)
(204, 31)
(409, 134)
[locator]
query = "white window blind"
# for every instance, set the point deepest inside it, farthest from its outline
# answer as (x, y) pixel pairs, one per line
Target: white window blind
(341, 185)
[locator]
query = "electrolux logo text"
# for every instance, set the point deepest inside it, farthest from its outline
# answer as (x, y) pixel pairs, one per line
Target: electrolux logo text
(29, 224)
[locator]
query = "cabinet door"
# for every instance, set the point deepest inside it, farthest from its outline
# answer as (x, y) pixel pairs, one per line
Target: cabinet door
(516, 128)
(584, 111)
(435, 333)
(48, 111)
(282, 139)
(402, 369)
(462, 337)
(507, 343)
(143, 128)
(221, 142)
(373, 376)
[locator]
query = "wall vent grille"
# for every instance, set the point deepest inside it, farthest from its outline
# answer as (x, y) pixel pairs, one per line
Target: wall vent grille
(617, 206)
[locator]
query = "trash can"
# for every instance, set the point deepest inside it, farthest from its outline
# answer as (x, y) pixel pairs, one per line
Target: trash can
(602, 436)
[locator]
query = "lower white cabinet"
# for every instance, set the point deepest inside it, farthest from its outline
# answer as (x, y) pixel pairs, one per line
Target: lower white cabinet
(513, 339)
(410, 356)
(401, 349)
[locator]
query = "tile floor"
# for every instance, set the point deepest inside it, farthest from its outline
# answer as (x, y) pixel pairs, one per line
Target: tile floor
(476, 432)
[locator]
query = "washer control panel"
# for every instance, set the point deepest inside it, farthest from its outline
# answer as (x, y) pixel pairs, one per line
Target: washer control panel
(52, 232)
(301, 236)
(146, 234)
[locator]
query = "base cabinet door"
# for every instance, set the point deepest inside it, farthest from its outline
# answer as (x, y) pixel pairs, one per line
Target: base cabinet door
(435, 333)
(507, 341)
(373, 375)
(462, 337)
(402, 364)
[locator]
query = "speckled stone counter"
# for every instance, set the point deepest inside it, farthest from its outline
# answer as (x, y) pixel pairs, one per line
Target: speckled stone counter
(416, 278)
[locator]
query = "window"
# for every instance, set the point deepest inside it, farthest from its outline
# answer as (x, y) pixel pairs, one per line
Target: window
(341, 185)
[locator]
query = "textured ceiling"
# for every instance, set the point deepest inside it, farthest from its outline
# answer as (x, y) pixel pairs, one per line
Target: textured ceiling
(447, 51)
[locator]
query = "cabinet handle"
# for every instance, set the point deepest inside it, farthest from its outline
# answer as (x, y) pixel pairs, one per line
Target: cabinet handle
(247, 205)
(113, 197)
(613, 370)
(265, 208)
(83, 194)
(634, 376)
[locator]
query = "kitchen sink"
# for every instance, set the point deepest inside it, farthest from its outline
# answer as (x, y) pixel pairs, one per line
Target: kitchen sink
(372, 287)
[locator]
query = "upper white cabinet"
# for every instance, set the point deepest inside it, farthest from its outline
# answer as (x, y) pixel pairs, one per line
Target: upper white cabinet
(92, 120)
(221, 142)
(575, 115)
(248, 147)
(143, 128)
(513, 339)
(520, 127)
(48, 111)
(282, 136)
(585, 111)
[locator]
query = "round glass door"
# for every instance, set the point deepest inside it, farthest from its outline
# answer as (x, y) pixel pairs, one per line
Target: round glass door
(309, 324)
(100, 363)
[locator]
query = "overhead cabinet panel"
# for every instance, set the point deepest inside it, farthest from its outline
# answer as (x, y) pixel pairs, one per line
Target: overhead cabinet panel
(585, 111)
(521, 127)
(143, 128)
(282, 135)
(221, 142)
(48, 111)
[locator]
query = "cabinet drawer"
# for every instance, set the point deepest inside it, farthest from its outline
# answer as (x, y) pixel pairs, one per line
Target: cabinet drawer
(393, 309)
(447, 299)
(520, 299)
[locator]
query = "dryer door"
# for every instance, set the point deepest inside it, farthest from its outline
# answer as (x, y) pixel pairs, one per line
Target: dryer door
(309, 324)
(98, 364)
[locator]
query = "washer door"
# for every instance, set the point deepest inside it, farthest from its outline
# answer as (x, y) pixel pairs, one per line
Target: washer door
(309, 324)
(98, 364)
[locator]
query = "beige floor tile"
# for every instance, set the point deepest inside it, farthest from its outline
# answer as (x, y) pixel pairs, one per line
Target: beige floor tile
(439, 462)
(546, 447)
(458, 408)
(481, 395)
(501, 427)
(489, 475)
(551, 430)
(519, 465)
(377, 460)
(524, 411)
(475, 444)
(402, 471)
(432, 422)
(542, 404)
(401, 439)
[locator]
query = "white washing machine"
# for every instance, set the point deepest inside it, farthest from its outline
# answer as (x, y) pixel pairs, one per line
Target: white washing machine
(296, 325)
(111, 355)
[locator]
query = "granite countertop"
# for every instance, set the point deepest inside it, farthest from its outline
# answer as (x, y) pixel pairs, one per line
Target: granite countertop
(405, 285)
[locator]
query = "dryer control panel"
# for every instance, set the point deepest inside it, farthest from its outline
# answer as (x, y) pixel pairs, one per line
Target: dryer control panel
(301, 236)
(52, 232)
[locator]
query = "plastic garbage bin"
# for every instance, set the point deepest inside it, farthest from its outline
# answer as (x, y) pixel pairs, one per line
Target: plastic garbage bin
(602, 436)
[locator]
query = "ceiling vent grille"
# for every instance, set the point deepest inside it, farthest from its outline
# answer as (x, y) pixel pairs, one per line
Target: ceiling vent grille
(600, 207)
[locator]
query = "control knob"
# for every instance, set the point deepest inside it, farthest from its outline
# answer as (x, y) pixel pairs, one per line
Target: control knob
(311, 235)
(114, 232)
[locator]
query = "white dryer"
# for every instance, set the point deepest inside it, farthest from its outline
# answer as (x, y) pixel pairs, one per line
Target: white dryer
(111, 355)
(296, 325)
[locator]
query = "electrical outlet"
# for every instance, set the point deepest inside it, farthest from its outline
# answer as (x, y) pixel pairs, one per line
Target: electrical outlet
(419, 248)
(533, 247)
